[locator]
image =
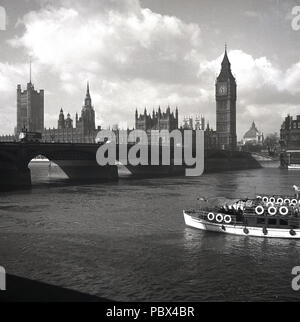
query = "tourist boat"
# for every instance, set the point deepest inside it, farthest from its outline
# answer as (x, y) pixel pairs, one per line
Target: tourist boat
(264, 216)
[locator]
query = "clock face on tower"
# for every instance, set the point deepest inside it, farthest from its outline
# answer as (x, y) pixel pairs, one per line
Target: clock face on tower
(222, 89)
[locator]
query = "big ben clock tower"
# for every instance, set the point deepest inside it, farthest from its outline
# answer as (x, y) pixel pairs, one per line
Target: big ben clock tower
(226, 106)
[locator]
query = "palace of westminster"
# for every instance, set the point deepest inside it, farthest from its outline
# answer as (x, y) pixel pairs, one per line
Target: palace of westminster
(30, 116)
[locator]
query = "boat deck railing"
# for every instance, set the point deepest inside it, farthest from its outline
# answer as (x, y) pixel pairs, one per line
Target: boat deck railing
(279, 196)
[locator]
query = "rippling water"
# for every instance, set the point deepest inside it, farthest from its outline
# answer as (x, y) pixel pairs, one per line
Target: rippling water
(127, 240)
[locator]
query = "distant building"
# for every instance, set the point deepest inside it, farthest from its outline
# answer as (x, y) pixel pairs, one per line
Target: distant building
(158, 121)
(169, 121)
(226, 107)
(64, 123)
(200, 123)
(7, 138)
(290, 133)
(87, 120)
(30, 109)
(210, 138)
(84, 130)
(253, 136)
(188, 123)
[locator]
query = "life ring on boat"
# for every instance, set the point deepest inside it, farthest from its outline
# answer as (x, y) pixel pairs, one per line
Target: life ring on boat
(269, 204)
(272, 199)
(258, 197)
(283, 210)
(265, 231)
(246, 231)
(292, 232)
(211, 216)
(272, 210)
(259, 210)
(286, 201)
(265, 199)
(279, 200)
(227, 219)
(294, 202)
(219, 218)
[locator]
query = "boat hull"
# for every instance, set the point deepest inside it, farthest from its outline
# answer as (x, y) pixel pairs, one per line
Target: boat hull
(193, 221)
(294, 166)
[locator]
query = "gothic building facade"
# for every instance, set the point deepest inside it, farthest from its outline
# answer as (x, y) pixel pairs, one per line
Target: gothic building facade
(169, 121)
(84, 130)
(158, 121)
(290, 133)
(30, 109)
(188, 123)
(226, 107)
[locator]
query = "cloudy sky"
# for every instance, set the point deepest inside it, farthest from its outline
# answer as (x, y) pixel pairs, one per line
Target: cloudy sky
(149, 53)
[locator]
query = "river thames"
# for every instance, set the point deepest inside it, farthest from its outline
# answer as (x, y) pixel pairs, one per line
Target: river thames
(127, 240)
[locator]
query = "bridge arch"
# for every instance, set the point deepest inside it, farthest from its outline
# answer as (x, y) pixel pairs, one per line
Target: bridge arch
(44, 169)
(78, 163)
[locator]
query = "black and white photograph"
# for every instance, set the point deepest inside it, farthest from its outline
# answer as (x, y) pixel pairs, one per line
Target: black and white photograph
(149, 153)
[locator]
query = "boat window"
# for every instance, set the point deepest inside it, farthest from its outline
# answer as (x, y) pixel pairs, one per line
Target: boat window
(283, 222)
(272, 222)
(261, 221)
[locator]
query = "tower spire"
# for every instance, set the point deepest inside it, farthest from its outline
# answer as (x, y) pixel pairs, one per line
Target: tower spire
(88, 100)
(225, 68)
(30, 71)
(225, 62)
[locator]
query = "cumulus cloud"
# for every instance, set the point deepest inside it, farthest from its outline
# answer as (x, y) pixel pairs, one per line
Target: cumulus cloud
(143, 44)
(10, 76)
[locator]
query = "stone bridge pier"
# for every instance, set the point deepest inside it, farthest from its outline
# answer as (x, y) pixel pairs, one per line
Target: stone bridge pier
(14, 171)
(14, 175)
